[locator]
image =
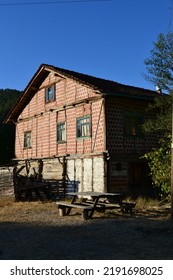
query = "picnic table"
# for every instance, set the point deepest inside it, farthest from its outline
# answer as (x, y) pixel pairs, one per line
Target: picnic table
(89, 202)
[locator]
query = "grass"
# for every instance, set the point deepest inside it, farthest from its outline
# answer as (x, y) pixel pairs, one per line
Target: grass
(6, 200)
(36, 211)
(47, 212)
(144, 203)
(141, 203)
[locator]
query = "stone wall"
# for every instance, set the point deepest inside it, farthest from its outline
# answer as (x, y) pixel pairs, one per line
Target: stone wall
(88, 173)
(6, 181)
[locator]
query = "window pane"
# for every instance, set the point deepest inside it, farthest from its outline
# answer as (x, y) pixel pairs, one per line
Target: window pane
(47, 94)
(63, 135)
(78, 128)
(83, 130)
(51, 93)
(88, 128)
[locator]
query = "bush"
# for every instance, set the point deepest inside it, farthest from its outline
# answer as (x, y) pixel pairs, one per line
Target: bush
(159, 161)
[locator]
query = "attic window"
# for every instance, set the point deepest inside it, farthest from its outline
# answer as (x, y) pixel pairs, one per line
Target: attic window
(50, 93)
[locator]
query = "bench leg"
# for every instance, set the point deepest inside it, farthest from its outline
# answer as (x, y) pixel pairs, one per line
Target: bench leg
(62, 211)
(68, 210)
(132, 211)
(85, 215)
(127, 210)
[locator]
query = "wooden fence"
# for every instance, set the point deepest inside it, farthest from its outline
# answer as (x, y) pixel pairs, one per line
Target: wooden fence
(28, 187)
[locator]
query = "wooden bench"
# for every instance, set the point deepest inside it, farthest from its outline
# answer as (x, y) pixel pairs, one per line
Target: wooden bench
(65, 208)
(127, 207)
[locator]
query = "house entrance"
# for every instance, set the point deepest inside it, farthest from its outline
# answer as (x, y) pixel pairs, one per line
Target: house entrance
(140, 183)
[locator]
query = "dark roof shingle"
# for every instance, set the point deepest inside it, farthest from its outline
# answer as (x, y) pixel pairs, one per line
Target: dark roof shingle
(105, 87)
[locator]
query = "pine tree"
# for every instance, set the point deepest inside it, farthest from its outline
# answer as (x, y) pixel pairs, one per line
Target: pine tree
(160, 72)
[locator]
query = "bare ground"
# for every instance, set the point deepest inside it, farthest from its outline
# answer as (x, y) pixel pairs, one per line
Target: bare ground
(34, 230)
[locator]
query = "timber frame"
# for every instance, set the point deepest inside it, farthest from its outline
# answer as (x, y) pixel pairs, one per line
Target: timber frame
(106, 161)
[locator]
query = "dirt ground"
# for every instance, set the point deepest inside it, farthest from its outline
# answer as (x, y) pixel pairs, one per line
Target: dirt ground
(35, 231)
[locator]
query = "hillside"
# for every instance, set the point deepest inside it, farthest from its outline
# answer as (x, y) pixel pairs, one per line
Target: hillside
(8, 98)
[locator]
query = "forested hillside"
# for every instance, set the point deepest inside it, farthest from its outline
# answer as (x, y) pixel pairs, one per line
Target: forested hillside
(8, 98)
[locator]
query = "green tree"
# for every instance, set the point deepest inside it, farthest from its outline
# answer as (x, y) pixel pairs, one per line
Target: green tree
(159, 161)
(160, 65)
(160, 72)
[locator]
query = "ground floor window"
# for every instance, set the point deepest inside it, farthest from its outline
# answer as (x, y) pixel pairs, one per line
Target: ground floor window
(27, 139)
(61, 132)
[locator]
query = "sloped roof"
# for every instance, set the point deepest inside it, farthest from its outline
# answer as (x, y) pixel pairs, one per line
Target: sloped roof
(102, 86)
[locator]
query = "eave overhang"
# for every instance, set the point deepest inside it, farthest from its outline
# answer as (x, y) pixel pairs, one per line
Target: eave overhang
(27, 94)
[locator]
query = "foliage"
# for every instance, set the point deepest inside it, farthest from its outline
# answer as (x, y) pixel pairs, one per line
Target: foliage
(8, 98)
(160, 65)
(160, 72)
(160, 112)
(159, 161)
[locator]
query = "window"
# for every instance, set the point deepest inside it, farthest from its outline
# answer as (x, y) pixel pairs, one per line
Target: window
(83, 127)
(133, 125)
(61, 132)
(27, 139)
(50, 93)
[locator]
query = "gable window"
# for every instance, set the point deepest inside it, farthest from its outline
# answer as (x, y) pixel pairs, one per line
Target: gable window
(83, 127)
(61, 132)
(50, 93)
(27, 139)
(133, 125)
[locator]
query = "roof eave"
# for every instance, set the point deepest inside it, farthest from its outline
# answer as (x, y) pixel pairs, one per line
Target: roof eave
(143, 97)
(27, 94)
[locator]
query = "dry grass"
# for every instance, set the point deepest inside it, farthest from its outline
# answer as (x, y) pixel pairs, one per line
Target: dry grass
(46, 212)
(143, 203)
(37, 211)
(5, 200)
(34, 230)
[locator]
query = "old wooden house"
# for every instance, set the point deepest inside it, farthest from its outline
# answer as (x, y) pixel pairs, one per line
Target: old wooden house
(82, 130)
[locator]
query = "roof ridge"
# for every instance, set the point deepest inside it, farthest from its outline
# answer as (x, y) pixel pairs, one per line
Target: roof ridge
(83, 75)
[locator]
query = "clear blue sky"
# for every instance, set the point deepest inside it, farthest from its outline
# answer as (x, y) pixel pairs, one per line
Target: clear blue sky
(107, 39)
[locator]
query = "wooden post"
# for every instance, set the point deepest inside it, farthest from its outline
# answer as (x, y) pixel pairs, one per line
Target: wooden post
(40, 169)
(172, 165)
(64, 175)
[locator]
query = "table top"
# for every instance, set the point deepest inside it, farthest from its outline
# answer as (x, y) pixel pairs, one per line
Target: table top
(94, 194)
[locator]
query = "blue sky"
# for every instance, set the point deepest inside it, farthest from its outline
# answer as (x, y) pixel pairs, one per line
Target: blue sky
(107, 39)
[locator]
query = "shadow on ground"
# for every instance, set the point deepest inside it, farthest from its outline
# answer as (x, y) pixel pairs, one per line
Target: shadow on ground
(100, 238)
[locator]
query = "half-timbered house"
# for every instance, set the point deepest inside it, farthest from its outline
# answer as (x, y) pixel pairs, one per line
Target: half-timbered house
(83, 130)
